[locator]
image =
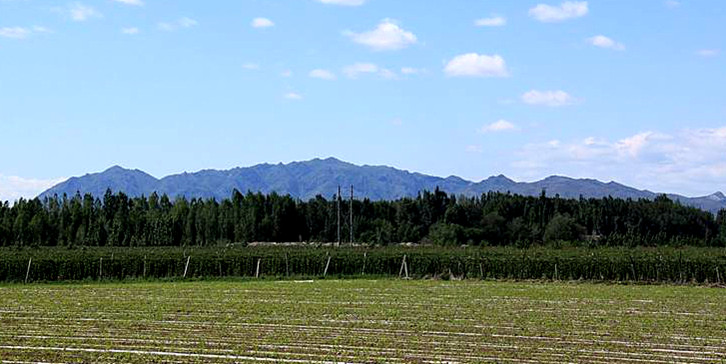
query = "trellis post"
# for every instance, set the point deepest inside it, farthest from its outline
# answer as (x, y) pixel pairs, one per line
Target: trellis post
(27, 273)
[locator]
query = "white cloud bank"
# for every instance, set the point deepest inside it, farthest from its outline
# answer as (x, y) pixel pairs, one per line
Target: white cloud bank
(689, 161)
(565, 11)
(476, 65)
(605, 42)
(388, 36)
(548, 98)
(13, 187)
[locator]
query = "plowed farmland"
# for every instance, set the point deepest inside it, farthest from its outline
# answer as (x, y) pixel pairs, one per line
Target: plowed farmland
(362, 321)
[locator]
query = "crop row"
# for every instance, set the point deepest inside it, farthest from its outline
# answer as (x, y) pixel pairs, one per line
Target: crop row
(613, 264)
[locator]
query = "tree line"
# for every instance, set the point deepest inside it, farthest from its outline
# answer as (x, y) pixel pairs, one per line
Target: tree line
(431, 217)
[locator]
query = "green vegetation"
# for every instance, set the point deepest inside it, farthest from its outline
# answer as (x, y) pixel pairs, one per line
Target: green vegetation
(359, 321)
(665, 264)
(490, 219)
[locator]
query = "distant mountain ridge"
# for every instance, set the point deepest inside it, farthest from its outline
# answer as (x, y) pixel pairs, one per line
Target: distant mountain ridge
(322, 176)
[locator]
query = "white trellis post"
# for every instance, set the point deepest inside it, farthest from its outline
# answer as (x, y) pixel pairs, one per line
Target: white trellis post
(27, 272)
(186, 267)
(325, 273)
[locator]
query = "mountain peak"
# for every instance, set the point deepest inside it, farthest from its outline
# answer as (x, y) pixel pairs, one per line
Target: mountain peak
(718, 196)
(115, 168)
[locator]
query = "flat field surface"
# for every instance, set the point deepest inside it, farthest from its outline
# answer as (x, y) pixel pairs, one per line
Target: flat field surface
(362, 321)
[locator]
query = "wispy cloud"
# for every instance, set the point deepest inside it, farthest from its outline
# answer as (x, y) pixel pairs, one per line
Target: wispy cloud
(494, 21)
(708, 52)
(81, 12)
(22, 32)
(387, 36)
(130, 31)
(131, 2)
(180, 23)
(343, 2)
(322, 74)
(476, 65)
(251, 66)
(14, 32)
(553, 14)
(292, 96)
(672, 4)
(354, 71)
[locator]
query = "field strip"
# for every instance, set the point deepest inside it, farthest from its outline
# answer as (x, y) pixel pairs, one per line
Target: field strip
(171, 354)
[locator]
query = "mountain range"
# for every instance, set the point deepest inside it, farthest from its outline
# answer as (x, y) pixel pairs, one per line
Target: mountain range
(323, 176)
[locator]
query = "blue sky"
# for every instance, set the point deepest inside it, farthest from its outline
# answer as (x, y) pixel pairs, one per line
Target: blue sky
(631, 91)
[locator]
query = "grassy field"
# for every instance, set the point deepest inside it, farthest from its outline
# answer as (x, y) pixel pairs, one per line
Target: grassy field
(362, 321)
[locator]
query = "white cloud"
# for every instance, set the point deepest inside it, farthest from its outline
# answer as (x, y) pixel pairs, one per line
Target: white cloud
(13, 187)
(251, 66)
(14, 32)
(498, 126)
(397, 121)
(354, 70)
(688, 161)
(412, 70)
(130, 30)
(548, 98)
(130, 2)
(387, 36)
(80, 12)
(605, 42)
(40, 29)
(475, 149)
(495, 21)
(262, 23)
(293, 96)
(708, 52)
(343, 2)
(22, 32)
(672, 4)
(476, 65)
(183, 22)
(286, 73)
(322, 74)
(552, 14)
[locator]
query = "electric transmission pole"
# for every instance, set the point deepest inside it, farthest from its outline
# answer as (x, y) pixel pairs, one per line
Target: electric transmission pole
(351, 214)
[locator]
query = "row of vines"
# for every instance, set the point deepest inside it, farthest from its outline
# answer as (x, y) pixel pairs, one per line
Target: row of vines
(701, 265)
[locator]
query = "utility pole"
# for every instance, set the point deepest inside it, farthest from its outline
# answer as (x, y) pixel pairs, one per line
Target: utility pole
(338, 203)
(351, 214)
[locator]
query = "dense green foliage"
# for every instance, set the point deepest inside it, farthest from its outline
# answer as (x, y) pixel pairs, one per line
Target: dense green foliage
(612, 264)
(491, 219)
